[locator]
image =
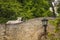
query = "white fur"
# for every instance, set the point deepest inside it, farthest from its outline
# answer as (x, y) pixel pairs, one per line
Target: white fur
(55, 3)
(51, 9)
(15, 21)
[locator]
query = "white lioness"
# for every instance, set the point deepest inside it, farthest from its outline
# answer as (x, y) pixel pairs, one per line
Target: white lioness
(15, 21)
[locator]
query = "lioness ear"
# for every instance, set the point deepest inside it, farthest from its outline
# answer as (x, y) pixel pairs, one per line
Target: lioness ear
(19, 18)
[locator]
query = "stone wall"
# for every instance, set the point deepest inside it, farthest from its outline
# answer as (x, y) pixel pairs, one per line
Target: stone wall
(29, 30)
(8, 32)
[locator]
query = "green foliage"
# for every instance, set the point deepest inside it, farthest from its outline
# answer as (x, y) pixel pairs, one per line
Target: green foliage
(53, 36)
(3, 20)
(56, 23)
(11, 9)
(58, 10)
(27, 10)
(34, 8)
(42, 7)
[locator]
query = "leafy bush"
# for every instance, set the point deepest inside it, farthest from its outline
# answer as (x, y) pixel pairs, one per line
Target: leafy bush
(9, 10)
(56, 23)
